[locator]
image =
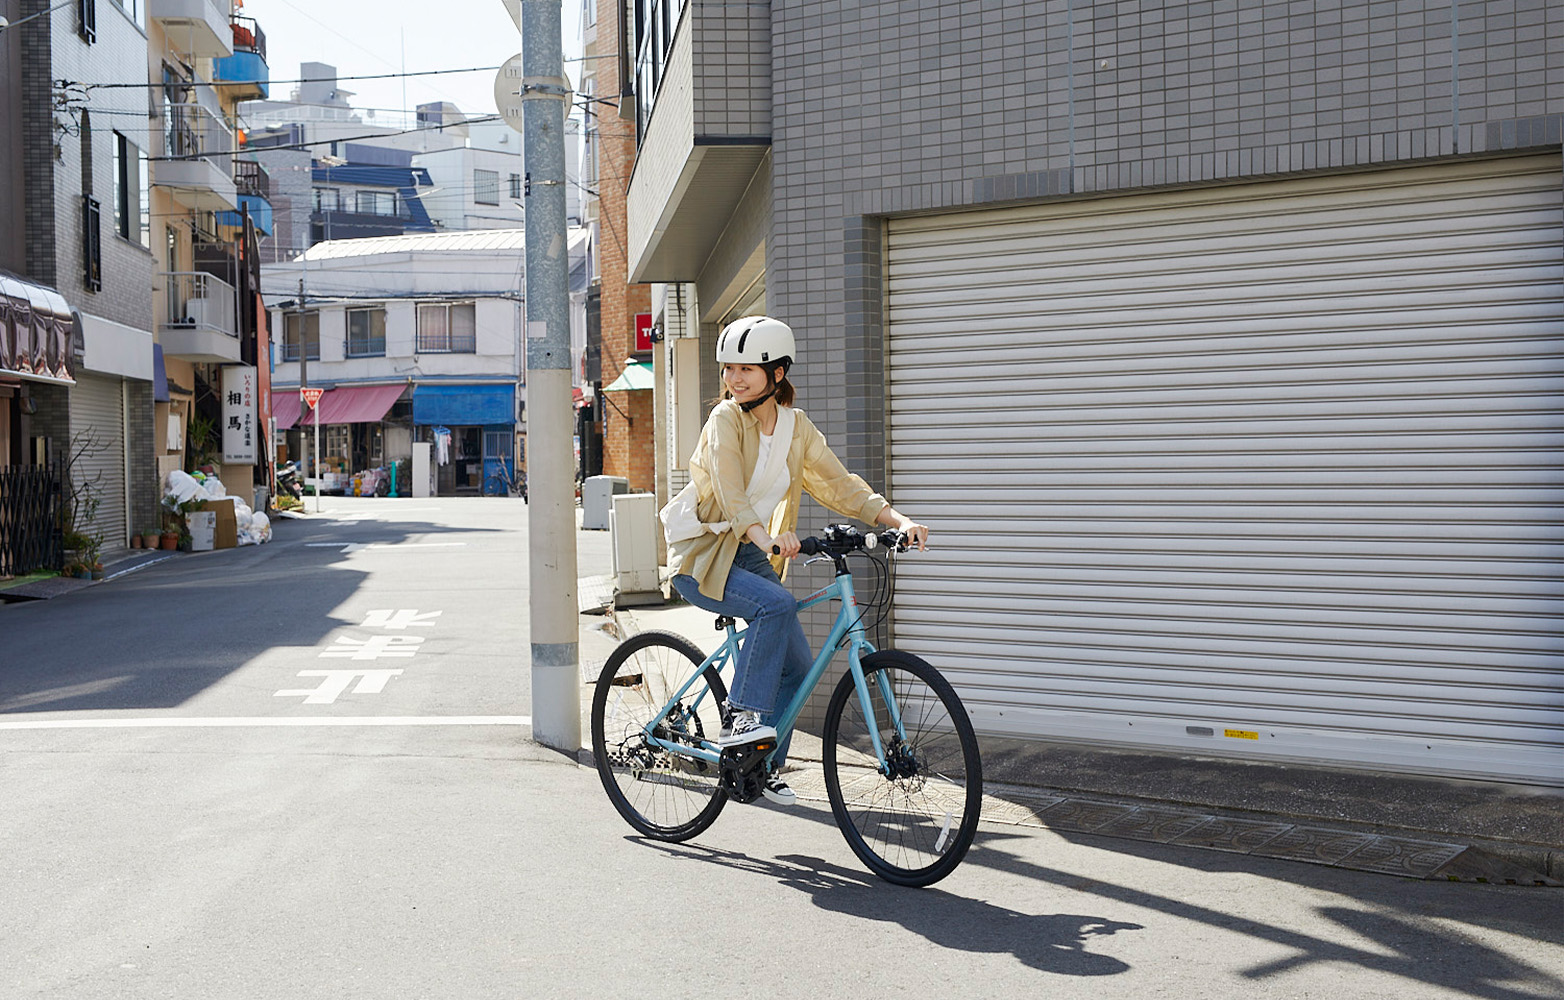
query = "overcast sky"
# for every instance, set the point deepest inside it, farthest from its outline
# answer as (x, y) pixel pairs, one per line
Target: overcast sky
(362, 37)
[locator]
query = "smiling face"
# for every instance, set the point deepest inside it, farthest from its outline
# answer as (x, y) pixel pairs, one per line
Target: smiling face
(745, 382)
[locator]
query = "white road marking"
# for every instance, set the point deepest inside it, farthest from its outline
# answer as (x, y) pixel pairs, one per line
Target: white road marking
(174, 722)
(373, 648)
(334, 682)
(355, 546)
(405, 618)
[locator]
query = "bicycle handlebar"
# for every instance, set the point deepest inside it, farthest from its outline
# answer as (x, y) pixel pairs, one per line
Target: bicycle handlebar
(841, 539)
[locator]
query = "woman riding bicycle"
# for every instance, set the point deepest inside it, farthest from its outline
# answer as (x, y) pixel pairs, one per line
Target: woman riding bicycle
(755, 457)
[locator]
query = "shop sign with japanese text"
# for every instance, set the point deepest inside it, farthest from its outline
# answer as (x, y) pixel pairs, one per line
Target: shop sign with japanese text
(240, 424)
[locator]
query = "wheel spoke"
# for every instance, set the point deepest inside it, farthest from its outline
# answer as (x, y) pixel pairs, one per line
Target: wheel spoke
(659, 791)
(913, 824)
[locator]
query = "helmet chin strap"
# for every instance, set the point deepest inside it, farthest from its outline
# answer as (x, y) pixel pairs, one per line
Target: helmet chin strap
(746, 407)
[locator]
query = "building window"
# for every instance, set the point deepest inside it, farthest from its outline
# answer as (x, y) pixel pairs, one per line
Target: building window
(376, 202)
(293, 325)
(366, 333)
(486, 187)
(447, 328)
(135, 10)
(656, 21)
(515, 186)
(132, 200)
(328, 200)
(92, 243)
(87, 20)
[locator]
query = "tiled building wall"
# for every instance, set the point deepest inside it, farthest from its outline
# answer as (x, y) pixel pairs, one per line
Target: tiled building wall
(37, 86)
(119, 54)
(732, 68)
(888, 107)
(144, 486)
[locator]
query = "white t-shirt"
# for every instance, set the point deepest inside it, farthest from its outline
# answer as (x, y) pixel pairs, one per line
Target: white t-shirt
(766, 504)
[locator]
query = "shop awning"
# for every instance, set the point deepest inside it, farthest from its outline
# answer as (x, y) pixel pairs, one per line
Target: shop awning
(357, 404)
(464, 405)
(285, 407)
(635, 376)
(354, 404)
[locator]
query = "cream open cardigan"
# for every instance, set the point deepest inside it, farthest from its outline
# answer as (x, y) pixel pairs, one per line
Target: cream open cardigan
(720, 468)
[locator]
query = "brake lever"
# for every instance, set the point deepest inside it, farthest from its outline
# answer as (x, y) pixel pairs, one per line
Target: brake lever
(814, 559)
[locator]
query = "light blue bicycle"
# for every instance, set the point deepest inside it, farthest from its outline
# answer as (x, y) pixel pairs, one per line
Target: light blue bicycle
(902, 770)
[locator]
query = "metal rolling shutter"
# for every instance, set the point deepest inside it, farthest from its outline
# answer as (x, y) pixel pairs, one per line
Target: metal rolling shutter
(98, 421)
(1277, 462)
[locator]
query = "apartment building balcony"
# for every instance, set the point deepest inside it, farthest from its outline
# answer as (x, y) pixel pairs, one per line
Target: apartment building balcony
(253, 184)
(244, 76)
(197, 165)
(202, 318)
(705, 132)
(198, 28)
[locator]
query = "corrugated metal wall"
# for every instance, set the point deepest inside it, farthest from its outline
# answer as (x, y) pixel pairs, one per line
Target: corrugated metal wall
(98, 446)
(1277, 463)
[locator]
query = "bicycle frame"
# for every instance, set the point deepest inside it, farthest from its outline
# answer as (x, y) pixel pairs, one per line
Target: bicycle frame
(848, 630)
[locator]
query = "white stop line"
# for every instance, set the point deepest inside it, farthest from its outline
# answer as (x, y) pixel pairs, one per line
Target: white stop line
(174, 722)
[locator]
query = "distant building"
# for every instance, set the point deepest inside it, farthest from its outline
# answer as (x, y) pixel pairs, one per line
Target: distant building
(409, 335)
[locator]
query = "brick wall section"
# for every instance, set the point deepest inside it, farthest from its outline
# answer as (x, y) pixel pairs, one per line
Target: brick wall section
(629, 439)
(890, 107)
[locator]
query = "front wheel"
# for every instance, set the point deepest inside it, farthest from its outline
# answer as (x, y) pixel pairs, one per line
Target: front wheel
(494, 486)
(660, 792)
(913, 825)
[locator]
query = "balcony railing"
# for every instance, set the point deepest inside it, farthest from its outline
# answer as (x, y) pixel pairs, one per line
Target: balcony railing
(196, 133)
(252, 179)
(197, 300)
(248, 36)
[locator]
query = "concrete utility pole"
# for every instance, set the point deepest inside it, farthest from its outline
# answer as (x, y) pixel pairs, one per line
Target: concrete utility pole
(545, 95)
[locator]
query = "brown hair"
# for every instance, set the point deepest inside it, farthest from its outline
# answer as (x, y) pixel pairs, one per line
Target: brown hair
(784, 388)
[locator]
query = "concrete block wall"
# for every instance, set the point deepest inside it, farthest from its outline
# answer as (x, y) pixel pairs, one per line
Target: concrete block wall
(886, 107)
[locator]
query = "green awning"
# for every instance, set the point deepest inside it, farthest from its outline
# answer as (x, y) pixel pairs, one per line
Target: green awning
(636, 376)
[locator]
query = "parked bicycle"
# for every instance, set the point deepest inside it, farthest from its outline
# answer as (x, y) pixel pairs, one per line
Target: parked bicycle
(506, 482)
(902, 770)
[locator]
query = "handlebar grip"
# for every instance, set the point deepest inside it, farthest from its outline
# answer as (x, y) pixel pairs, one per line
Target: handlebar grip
(806, 546)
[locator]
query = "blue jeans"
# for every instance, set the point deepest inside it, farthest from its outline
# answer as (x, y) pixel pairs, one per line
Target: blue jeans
(774, 658)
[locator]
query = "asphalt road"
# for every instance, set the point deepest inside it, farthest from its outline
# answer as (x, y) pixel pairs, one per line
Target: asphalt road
(215, 786)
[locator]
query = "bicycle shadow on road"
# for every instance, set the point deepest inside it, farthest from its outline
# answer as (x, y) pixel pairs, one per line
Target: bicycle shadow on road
(1049, 942)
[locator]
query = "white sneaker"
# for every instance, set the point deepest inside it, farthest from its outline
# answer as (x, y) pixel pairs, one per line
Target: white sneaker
(776, 790)
(744, 727)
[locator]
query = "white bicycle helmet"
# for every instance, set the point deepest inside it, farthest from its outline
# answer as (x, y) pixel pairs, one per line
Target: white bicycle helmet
(756, 340)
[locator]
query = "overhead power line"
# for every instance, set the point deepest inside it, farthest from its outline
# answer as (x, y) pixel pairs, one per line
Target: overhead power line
(144, 84)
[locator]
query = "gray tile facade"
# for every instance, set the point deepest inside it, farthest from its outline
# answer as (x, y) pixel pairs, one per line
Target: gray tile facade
(883, 107)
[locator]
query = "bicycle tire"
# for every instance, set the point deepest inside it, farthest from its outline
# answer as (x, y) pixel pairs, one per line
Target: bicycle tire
(912, 828)
(660, 794)
(494, 486)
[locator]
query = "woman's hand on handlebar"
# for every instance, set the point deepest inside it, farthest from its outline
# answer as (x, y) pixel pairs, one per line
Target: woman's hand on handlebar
(786, 545)
(917, 534)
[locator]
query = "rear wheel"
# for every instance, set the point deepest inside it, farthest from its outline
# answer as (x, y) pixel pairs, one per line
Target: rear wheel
(661, 793)
(494, 486)
(914, 825)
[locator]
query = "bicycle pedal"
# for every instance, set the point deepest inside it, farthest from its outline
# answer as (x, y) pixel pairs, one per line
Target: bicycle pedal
(743, 774)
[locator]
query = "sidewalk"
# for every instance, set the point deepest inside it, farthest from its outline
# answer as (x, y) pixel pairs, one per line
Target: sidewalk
(117, 564)
(1409, 825)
